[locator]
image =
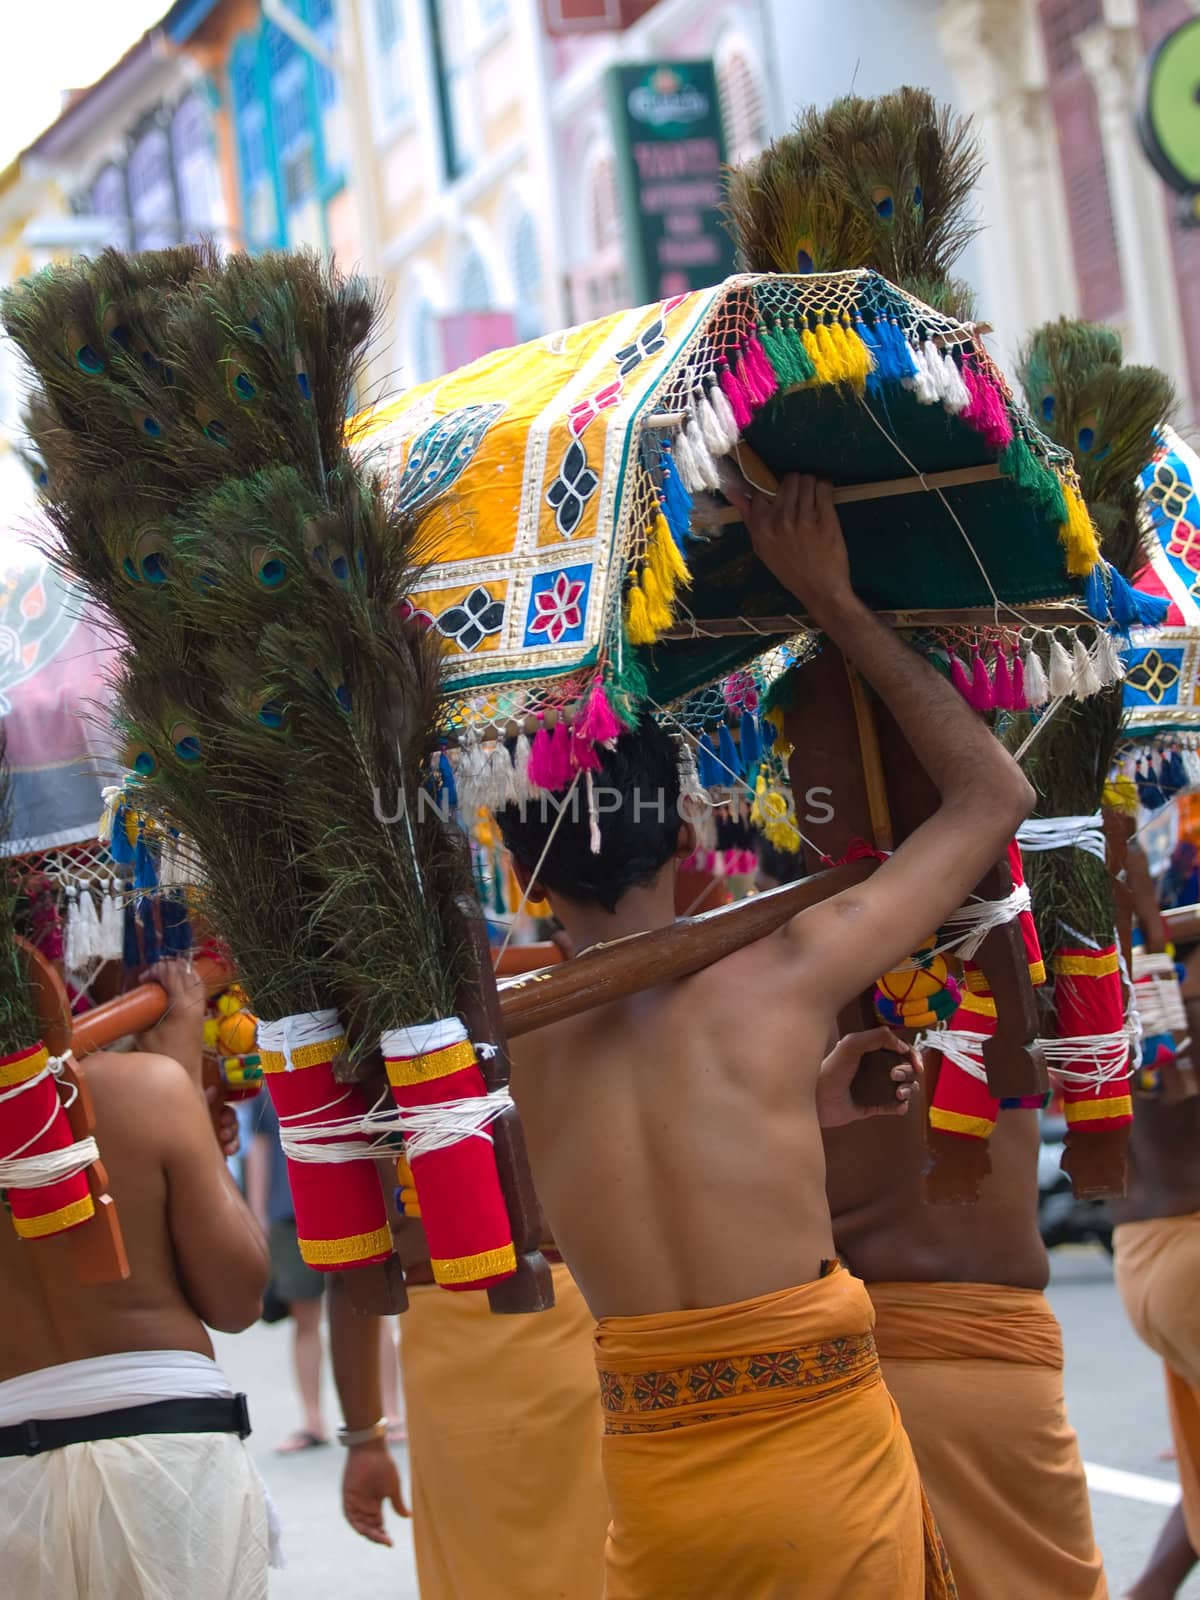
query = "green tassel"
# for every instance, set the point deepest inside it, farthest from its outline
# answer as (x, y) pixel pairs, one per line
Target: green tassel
(775, 343)
(627, 688)
(802, 362)
(1038, 481)
(498, 904)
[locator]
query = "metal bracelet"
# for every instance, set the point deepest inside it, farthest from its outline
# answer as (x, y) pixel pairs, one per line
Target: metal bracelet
(349, 1436)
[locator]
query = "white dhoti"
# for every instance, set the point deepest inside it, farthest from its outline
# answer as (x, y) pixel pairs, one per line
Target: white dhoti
(148, 1517)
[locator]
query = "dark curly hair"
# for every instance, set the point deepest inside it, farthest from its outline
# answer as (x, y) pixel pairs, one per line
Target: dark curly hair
(637, 794)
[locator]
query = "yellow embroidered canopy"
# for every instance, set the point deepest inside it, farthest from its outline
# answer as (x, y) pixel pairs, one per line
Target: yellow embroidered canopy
(568, 486)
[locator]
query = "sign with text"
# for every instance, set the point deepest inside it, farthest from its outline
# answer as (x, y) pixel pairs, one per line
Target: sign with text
(671, 148)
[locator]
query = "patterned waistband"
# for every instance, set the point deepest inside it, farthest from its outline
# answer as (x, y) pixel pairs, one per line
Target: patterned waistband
(675, 1397)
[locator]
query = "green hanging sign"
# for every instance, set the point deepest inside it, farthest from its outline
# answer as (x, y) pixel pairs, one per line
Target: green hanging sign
(1168, 116)
(671, 150)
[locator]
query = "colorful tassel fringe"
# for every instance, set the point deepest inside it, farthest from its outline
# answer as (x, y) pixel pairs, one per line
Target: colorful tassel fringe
(1078, 535)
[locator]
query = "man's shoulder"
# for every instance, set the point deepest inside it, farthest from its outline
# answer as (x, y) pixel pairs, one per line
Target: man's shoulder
(133, 1084)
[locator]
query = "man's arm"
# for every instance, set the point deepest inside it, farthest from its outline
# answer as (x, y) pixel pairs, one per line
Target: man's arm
(1145, 898)
(220, 1252)
(848, 941)
(370, 1476)
(258, 1177)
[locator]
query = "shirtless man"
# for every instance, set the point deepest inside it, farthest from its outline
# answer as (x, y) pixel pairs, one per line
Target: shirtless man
(750, 1447)
(1156, 1244)
(142, 1488)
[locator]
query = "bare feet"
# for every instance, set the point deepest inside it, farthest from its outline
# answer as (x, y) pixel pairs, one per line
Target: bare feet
(302, 1439)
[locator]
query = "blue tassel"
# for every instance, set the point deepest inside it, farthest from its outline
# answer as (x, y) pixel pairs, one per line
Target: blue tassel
(751, 743)
(708, 768)
(1173, 776)
(446, 774)
(894, 359)
(731, 765)
(120, 849)
(130, 954)
(144, 875)
(150, 945)
(769, 733)
(1132, 608)
(878, 375)
(176, 928)
(1095, 593)
(676, 501)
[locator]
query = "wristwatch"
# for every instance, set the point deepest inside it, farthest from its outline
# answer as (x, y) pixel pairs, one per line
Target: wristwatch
(349, 1436)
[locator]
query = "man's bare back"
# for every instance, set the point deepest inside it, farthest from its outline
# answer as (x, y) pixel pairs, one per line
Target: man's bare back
(193, 1248)
(888, 1234)
(708, 1185)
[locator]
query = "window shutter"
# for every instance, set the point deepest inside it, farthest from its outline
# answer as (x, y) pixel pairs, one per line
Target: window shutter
(743, 109)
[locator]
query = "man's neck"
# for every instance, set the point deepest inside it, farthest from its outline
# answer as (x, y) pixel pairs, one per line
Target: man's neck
(638, 911)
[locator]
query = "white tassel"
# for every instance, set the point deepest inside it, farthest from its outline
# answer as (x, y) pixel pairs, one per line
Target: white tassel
(89, 927)
(522, 788)
(1109, 662)
(690, 471)
(498, 786)
(956, 397)
(112, 925)
(1087, 683)
(723, 411)
(1037, 690)
(923, 383)
(715, 437)
(1062, 671)
(705, 464)
(469, 779)
(593, 816)
(937, 370)
(695, 805)
(112, 799)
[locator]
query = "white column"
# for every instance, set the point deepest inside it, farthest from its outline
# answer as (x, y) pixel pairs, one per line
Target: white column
(543, 160)
(1111, 53)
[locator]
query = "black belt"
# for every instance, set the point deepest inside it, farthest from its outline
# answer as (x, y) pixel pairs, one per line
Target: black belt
(160, 1416)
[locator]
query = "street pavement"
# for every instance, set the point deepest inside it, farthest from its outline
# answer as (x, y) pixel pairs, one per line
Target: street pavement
(1114, 1396)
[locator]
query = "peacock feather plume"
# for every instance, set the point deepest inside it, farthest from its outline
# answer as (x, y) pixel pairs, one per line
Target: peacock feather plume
(193, 428)
(882, 183)
(1107, 414)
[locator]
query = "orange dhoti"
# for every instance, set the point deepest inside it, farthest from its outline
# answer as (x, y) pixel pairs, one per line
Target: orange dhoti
(504, 1433)
(977, 1371)
(1158, 1274)
(752, 1451)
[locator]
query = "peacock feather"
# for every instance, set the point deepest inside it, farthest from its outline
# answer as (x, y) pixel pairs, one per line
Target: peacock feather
(1107, 414)
(193, 426)
(882, 183)
(18, 1024)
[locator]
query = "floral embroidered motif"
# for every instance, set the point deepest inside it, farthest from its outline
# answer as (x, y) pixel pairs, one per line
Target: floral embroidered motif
(1153, 676)
(558, 608)
(1185, 545)
(630, 1398)
(470, 622)
(586, 411)
(572, 489)
(648, 343)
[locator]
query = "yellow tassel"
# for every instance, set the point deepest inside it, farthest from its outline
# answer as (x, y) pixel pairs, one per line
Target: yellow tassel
(818, 356)
(857, 356)
(831, 349)
(637, 618)
(668, 565)
(1078, 534)
(658, 603)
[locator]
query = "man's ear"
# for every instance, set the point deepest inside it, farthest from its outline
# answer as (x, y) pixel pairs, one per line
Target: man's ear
(530, 888)
(685, 841)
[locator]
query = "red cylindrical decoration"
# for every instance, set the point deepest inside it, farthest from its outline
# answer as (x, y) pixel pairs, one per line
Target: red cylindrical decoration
(33, 1123)
(1033, 948)
(1089, 1000)
(961, 1103)
(458, 1186)
(341, 1217)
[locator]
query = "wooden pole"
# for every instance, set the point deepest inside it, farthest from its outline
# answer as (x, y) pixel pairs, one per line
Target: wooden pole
(759, 476)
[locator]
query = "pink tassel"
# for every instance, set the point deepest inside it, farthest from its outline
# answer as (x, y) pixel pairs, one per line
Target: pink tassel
(987, 413)
(736, 395)
(550, 757)
(598, 723)
(1019, 702)
(982, 696)
(1002, 691)
(755, 358)
(560, 753)
(958, 677)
